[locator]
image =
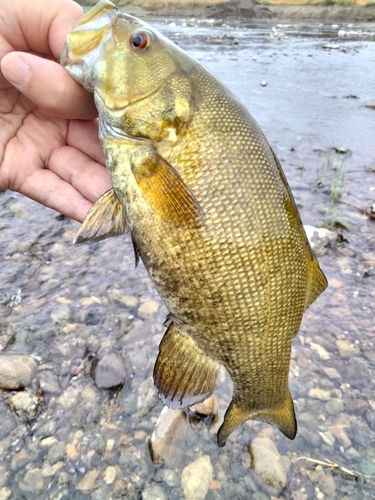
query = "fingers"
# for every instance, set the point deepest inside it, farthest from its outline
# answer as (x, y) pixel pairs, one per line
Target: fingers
(48, 85)
(50, 190)
(87, 176)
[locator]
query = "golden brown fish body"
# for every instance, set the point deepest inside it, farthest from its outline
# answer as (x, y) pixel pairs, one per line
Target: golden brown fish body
(210, 213)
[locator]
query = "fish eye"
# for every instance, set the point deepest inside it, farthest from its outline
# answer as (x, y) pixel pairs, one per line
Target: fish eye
(140, 40)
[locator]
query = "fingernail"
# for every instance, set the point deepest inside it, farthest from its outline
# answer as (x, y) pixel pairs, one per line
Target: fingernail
(15, 70)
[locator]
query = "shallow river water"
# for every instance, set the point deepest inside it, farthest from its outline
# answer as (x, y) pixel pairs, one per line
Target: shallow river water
(311, 91)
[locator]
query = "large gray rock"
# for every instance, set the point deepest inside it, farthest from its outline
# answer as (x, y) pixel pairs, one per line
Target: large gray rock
(16, 371)
(196, 478)
(267, 462)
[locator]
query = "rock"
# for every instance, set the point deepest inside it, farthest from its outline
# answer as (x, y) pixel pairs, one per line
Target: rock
(110, 371)
(332, 372)
(327, 485)
(163, 443)
(346, 349)
(5, 493)
(266, 462)
(32, 482)
(24, 405)
(196, 478)
(49, 470)
(323, 353)
(168, 476)
(69, 397)
(88, 481)
(320, 394)
(209, 407)
(61, 314)
(318, 239)
(110, 474)
(339, 432)
(327, 438)
(16, 371)
(147, 309)
(154, 492)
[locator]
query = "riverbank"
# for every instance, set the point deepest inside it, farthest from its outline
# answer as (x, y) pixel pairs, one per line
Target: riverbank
(245, 9)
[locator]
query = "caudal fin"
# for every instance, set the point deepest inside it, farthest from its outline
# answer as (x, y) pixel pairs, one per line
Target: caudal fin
(281, 416)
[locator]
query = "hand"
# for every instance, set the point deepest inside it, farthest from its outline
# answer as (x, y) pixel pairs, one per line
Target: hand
(49, 146)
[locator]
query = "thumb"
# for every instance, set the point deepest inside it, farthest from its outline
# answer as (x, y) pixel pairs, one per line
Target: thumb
(48, 85)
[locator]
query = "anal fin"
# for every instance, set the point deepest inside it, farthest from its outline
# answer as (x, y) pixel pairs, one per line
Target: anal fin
(281, 416)
(184, 375)
(105, 218)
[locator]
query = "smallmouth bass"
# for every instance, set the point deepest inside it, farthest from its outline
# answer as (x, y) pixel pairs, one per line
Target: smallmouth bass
(210, 214)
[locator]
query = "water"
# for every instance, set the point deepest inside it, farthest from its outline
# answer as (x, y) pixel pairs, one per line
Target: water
(65, 306)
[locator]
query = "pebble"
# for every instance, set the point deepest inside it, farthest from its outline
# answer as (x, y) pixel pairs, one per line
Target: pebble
(266, 462)
(209, 407)
(32, 481)
(16, 371)
(5, 493)
(332, 373)
(167, 429)
(327, 438)
(154, 492)
(24, 405)
(69, 397)
(88, 481)
(320, 394)
(339, 432)
(346, 349)
(147, 309)
(196, 478)
(110, 474)
(169, 477)
(49, 470)
(322, 353)
(110, 371)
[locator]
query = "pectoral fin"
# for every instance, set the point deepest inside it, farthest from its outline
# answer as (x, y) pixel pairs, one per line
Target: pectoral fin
(105, 218)
(164, 189)
(281, 416)
(184, 375)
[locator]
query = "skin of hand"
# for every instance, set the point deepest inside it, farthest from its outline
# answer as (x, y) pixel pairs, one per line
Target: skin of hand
(49, 146)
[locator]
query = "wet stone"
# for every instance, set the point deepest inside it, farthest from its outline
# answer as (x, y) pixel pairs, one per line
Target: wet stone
(16, 371)
(87, 483)
(196, 478)
(5, 493)
(168, 476)
(320, 394)
(209, 407)
(110, 371)
(32, 482)
(266, 462)
(164, 439)
(110, 474)
(147, 309)
(24, 405)
(346, 349)
(154, 492)
(69, 397)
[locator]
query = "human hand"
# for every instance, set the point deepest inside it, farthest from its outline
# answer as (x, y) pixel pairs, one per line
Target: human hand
(49, 146)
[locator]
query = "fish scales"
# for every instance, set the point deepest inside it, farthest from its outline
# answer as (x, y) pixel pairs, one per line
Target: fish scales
(210, 213)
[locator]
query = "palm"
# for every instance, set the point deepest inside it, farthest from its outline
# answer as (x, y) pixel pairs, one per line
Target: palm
(49, 147)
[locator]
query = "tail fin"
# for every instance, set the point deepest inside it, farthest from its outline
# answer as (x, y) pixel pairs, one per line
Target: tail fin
(281, 416)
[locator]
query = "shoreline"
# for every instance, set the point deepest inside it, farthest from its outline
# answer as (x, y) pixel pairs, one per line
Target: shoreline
(244, 9)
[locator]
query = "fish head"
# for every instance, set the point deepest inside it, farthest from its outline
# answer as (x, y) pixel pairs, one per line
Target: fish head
(119, 58)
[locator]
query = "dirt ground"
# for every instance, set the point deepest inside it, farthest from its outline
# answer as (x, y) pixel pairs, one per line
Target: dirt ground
(245, 9)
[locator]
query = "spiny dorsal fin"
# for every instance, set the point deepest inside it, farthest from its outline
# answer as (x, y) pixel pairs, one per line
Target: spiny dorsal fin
(164, 189)
(281, 416)
(105, 218)
(184, 375)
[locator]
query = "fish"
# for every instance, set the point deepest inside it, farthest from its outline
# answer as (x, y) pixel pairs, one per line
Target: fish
(210, 214)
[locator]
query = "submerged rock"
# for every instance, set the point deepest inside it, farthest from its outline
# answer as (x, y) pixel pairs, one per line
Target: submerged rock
(16, 371)
(267, 463)
(196, 478)
(110, 371)
(24, 405)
